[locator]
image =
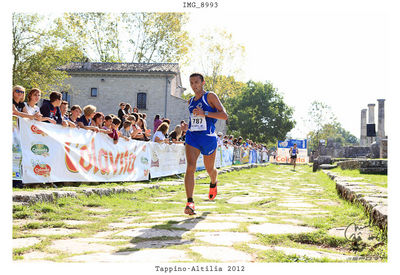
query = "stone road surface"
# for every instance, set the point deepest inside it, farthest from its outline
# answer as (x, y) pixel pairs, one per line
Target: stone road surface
(205, 237)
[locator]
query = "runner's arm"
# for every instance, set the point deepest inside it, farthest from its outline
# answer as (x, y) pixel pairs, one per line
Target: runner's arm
(214, 103)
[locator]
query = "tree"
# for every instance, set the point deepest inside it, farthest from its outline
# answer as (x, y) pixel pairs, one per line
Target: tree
(128, 37)
(323, 124)
(37, 53)
(259, 113)
(157, 37)
(25, 36)
(40, 69)
(224, 86)
(331, 131)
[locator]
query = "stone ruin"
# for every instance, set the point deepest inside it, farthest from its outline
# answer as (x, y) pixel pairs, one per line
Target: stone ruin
(371, 147)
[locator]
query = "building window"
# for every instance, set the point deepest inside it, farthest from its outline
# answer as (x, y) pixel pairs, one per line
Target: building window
(141, 100)
(66, 97)
(93, 92)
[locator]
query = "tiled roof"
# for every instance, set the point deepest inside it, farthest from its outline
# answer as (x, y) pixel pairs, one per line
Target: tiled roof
(121, 67)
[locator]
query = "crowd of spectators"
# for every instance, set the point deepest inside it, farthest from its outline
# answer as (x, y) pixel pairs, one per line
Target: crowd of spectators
(128, 124)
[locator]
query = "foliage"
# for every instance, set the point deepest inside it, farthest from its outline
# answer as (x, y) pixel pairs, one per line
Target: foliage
(224, 86)
(40, 47)
(259, 113)
(331, 131)
(37, 53)
(128, 37)
(323, 124)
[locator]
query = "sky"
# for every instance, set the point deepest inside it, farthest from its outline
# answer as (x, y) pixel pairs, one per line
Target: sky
(338, 59)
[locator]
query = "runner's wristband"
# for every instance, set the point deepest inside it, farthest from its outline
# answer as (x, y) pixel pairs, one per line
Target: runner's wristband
(206, 113)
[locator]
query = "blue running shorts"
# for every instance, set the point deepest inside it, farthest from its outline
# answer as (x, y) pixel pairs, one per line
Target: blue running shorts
(205, 143)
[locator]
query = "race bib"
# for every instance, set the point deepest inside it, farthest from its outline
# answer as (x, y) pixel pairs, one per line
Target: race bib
(198, 123)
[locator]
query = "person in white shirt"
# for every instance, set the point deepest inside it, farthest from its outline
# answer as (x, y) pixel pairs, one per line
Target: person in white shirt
(31, 108)
(159, 135)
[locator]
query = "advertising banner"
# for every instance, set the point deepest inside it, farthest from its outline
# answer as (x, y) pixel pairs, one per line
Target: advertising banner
(227, 155)
(52, 153)
(16, 151)
(167, 159)
(301, 143)
(218, 157)
(236, 155)
(244, 155)
(283, 155)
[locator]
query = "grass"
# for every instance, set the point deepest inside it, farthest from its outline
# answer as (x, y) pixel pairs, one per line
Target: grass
(273, 182)
(378, 180)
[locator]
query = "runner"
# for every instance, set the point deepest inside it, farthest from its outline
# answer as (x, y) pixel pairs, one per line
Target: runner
(204, 108)
(293, 155)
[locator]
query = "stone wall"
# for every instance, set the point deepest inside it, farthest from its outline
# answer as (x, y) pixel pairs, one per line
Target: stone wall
(116, 88)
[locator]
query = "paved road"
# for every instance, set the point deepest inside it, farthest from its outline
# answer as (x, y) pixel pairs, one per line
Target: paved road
(228, 230)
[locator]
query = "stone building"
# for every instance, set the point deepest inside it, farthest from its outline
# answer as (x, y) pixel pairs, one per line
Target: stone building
(155, 88)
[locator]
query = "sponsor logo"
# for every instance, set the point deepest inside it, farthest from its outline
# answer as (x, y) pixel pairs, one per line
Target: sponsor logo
(155, 162)
(146, 172)
(42, 170)
(144, 160)
(40, 149)
(37, 131)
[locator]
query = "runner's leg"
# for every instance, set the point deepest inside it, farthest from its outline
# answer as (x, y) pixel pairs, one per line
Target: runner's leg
(192, 154)
(209, 164)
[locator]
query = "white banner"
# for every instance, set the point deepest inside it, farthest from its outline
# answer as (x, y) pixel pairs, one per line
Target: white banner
(167, 159)
(52, 153)
(17, 152)
(283, 156)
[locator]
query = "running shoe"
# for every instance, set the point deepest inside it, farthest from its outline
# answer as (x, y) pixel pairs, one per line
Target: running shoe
(189, 209)
(213, 191)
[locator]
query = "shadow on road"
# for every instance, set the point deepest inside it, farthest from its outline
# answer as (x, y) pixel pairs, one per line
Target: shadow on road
(163, 235)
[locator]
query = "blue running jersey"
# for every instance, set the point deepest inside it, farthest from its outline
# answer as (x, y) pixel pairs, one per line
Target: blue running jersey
(203, 103)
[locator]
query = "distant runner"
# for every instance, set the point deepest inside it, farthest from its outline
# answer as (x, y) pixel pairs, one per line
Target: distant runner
(204, 108)
(293, 155)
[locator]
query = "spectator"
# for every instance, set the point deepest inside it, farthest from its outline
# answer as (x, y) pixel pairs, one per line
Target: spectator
(234, 142)
(167, 121)
(121, 113)
(75, 113)
(135, 110)
(126, 130)
(51, 108)
(85, 121)
(136, 130)
(98, 120)
(144, 133)
(220, 141)
(144, 120)
(184, 127)
(18, 101)
(157, 122)
(176, 134)
(159, 135)
(114, 127)
(64, 109)
(230, 140)
(31, 108)
(128, 109)
(240, 140)
(107, 122)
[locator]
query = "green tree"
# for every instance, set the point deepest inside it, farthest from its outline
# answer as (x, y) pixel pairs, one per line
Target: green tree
(224, 86)
(37, 53)
(40, 69)
(128, 37)
(26, 34)
(157, 37)
(331, 131)
(259, 113)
